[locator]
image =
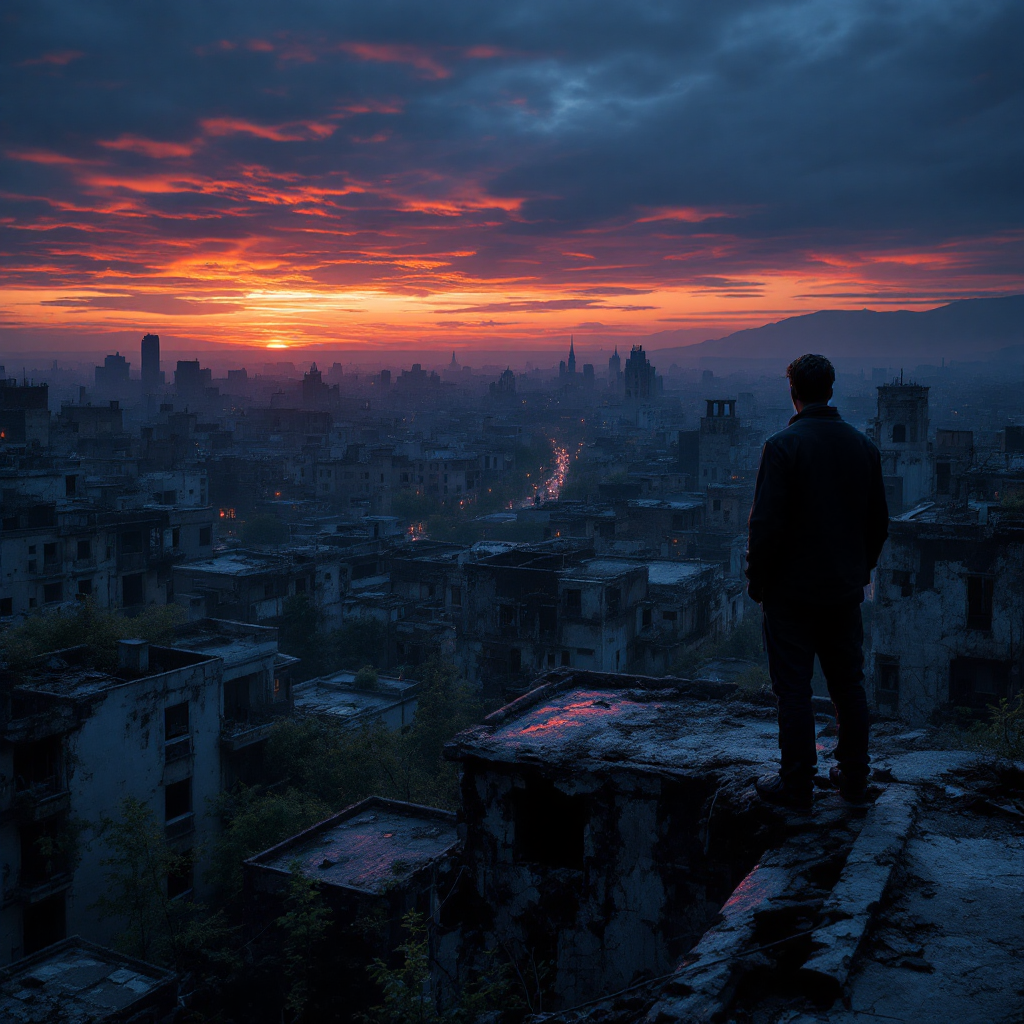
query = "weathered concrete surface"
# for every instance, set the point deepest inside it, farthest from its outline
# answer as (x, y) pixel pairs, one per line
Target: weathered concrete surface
(858, 893)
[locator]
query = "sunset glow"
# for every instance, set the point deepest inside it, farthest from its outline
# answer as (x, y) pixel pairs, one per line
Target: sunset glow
(494, 186)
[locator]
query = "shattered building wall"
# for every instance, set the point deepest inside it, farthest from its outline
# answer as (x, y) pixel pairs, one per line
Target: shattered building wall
(948, 620)
(603, 828)
(75, 742)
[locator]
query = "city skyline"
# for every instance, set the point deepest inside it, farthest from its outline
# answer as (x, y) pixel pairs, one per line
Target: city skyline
(477, 179)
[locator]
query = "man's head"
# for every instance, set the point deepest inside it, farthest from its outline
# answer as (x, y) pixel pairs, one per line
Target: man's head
(810, 380)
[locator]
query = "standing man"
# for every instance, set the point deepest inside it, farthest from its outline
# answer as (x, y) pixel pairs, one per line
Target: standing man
(816, 529)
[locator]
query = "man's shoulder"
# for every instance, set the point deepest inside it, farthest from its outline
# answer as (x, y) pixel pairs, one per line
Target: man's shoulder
(834, 428)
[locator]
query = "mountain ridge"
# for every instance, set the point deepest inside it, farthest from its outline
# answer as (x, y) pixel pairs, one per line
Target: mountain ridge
(963, 329)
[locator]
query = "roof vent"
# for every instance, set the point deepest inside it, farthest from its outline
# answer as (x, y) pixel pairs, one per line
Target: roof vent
(133, 656)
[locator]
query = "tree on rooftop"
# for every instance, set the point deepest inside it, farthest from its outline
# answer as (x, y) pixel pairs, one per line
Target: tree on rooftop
(85, 625)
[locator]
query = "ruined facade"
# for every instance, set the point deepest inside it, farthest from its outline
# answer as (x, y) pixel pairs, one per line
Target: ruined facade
(948, 617)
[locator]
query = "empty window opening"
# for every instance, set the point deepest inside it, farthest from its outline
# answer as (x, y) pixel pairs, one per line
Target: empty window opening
(549, 826)
(176, 721)
(899, 433)
(901, 578)
(888, 681)
(84, 549)
(574, 601)
(178, 799)
(180, 877)
(44, 923)
(979, 602)
(977, 683)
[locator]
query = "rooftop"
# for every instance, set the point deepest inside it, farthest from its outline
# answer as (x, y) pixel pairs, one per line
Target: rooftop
(338, 697)
(366, 847)
(76, 982)
(602, 568)
(586, 719)
(667, 574)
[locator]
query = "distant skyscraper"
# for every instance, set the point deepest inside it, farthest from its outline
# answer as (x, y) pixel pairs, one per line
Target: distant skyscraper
(113, 372)
(571, 365)
(151, 375)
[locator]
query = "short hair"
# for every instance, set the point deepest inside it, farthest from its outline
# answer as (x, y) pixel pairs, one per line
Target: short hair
(811, 377)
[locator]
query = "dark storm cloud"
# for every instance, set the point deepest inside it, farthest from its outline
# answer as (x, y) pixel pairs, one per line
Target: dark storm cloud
(616, 146)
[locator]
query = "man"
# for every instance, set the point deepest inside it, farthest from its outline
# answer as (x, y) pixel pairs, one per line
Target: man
(816, 529)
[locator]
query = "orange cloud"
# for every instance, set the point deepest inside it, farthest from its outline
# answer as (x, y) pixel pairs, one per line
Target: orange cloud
(689, 214)
(387, 53)
(57, 59)
(40, 156)
(148, 147)
(296, 131)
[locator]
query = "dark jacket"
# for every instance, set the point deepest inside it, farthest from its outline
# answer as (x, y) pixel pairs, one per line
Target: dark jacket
(819, 517)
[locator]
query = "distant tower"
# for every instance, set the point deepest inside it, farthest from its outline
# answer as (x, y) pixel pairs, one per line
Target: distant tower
(571, 364)
(151, 375)
(901, 432)
(454, 364)
(614, 367)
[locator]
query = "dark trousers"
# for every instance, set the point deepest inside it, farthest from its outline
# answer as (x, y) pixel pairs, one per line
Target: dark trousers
(793, 635)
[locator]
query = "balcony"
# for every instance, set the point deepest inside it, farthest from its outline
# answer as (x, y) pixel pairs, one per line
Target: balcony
(237, 734)
(181, 827)
(40, 802)
(34, 890)
(178, 749)
(131, 561)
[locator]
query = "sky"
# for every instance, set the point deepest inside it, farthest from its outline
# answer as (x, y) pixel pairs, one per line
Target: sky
(453, 174)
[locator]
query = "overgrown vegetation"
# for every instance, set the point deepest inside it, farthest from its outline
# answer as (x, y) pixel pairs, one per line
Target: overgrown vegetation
(86, 626)
(409, 988)
(744, 643)
(354, 646)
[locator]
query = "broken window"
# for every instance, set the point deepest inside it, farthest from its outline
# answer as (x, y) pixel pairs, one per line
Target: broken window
(300, 585)
(133, 590)
(84, 588)
(566, 660)
(176, 721)
(901, 578)
(574, 602)
(887, 674)
(84, 549)
(37, 766)
(977, 683)
(549, 826)
(547, 617)
(53, 593)
(613, 596)
(6, 606)
(943, 472)
(44, 923)
(899, 433)
(647, 617)
(506, 615)
(50, 557)
(669, 616)
(515, 660)
(457, 597)
(177, 799)
(979, 602)
(131, 542)
(205, 536)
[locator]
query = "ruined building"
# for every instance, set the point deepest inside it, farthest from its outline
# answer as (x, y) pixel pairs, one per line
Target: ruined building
(900, 430)
(948, 610)
(169, 726)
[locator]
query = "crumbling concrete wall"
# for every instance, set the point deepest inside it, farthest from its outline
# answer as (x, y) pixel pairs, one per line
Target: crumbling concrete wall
(589, 880)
